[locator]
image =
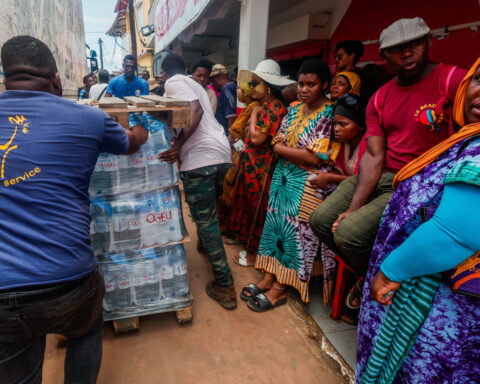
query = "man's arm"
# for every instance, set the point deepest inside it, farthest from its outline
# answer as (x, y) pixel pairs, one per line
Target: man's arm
(196, 113)
(107, 94)
(369, 172)
(137, 136)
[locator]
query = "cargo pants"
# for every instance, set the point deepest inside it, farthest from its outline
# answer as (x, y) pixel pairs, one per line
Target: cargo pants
(203, 186)
(354, 238)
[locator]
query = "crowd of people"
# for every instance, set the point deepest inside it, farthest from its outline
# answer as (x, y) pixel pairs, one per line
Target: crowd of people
(304, 171)
(344, 166)
(105, 84)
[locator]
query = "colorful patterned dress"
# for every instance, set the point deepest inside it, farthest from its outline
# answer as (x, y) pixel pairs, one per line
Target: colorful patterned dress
(256, 165)
(239, 130)
(288, 245)
(447, 347)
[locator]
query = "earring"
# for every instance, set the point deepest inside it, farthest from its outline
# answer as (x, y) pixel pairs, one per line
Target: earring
(269, 90)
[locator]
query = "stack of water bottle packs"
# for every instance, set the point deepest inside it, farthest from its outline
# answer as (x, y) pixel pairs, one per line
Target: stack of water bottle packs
(137, 224)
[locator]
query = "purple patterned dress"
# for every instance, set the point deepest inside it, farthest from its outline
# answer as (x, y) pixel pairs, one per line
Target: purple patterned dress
(447, 348)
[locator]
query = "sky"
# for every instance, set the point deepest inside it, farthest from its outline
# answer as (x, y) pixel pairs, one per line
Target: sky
(98, 17)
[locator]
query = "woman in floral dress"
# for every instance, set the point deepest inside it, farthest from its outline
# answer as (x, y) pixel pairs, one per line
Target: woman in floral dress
(250, 198)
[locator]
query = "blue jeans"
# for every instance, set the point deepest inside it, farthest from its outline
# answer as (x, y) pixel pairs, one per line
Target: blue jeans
(73, 309)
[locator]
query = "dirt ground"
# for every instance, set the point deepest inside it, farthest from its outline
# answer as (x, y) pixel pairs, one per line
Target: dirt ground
(281, 346)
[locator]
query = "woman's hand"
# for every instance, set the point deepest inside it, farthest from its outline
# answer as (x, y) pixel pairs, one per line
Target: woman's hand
(232, 139)
(321, 180)
(383, 289)
(258, 109)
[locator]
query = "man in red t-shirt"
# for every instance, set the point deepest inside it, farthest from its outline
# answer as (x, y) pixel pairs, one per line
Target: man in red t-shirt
(406, 117)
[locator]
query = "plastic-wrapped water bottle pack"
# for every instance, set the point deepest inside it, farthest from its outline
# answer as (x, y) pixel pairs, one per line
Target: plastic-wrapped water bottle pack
(143, 170)
(140, 280)
(137, 225)
(132, 221)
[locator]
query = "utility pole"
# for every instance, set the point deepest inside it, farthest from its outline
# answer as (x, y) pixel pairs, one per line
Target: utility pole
(131, 20)
(100, 43)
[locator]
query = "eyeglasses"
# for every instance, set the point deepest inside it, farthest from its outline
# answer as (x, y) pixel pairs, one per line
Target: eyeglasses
(253, 83)
(338, 57)
(414, 44)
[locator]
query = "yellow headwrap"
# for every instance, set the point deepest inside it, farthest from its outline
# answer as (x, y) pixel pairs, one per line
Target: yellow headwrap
(245, 88)
(430, 156)
(354, 81)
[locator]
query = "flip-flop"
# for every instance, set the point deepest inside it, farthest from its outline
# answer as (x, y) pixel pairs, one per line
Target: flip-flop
(261, 303)
(242, 260)
(228, 241)
(355, 293)
(252, 289)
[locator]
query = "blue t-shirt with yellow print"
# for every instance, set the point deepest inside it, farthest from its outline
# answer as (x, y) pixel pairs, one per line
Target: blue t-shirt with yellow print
(48, 149)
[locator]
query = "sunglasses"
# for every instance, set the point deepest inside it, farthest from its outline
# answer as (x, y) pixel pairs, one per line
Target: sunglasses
(338, 57)
(253, 83)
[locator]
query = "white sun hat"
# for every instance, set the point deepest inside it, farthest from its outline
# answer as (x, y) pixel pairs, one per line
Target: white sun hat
(269, 71)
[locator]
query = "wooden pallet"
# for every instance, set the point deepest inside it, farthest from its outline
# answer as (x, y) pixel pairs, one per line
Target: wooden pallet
(128, 325)
(175, 113)
(132, 324)
(184, 315)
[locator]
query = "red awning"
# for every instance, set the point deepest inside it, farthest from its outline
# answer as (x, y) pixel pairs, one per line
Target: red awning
(121, 6)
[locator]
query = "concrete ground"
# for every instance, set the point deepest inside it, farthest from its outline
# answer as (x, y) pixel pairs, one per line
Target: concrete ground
(281, 346)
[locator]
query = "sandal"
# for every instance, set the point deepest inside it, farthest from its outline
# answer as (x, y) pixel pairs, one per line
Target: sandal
(355, 293)
(261, 303)
(242, 260)
(228, 241)
(252, 289)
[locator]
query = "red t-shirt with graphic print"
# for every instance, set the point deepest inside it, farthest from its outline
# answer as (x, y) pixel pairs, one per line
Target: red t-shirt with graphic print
(407, 115)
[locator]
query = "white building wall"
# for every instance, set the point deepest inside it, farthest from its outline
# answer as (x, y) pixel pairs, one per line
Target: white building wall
(59, 24)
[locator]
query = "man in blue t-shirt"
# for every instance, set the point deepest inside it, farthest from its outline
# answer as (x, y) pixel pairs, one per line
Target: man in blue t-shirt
(227, 100)
(127, 84)
(49, 282)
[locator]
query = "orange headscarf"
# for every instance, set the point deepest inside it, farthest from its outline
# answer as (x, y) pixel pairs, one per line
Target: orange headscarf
(430, 156)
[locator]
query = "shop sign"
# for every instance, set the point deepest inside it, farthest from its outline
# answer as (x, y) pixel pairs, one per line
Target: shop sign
(172, 17)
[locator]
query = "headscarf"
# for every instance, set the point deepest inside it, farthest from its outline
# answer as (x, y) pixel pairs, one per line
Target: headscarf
(245, 88)
(469, 130)
(353, 79)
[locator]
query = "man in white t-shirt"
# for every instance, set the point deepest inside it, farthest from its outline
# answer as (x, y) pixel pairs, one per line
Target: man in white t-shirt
(205, 156)
(97, 91)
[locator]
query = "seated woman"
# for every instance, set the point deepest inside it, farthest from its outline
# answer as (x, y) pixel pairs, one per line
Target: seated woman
(303, 146)
(343, 83)
(415, 327)
(237, 137)
(256, 165)
(349, 127)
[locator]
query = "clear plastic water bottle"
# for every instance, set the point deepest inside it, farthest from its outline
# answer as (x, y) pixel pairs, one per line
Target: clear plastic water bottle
(104, 180)
(138, 282)
(180, 275)
(110, 278)
(151, 281)
(159, 173)
(101, 226)
(132, 172)
(124, 295)
(126, 223)
(164, 217)
(120, 226)
(148, 219)
(175, 232)
(166, 275)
